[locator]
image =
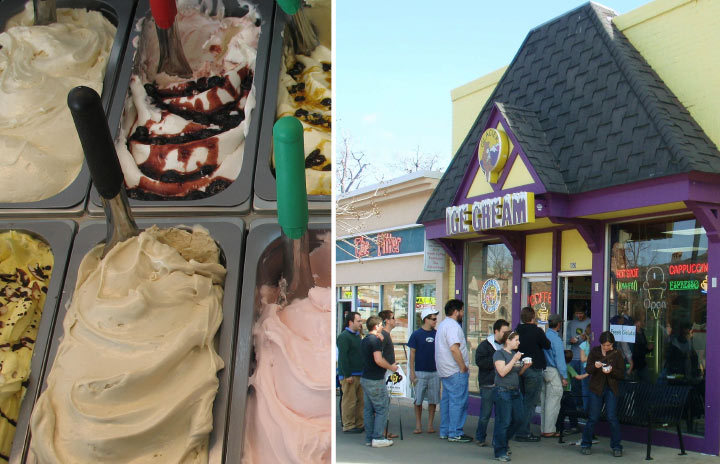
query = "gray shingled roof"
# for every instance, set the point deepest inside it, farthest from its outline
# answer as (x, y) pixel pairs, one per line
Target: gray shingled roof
(589, 112)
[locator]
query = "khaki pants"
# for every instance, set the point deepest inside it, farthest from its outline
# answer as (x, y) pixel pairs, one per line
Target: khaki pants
(550, 399)
(352, 403)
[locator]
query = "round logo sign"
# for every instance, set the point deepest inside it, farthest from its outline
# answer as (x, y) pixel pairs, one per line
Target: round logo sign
(493, 153)
(490, 296)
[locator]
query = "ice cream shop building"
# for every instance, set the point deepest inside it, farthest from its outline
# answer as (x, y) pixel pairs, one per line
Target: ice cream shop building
(589, 181)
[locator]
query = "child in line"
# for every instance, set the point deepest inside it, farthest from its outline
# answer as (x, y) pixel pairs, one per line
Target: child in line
(568, 402)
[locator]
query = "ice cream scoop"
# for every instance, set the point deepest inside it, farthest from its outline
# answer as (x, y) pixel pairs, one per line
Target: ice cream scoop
(91, 124)
(45, 12)
(304, 38)
(292, 207)
(172, 58)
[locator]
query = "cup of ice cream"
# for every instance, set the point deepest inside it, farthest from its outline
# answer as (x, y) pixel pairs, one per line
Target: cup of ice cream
(527, 360)
(606, 368)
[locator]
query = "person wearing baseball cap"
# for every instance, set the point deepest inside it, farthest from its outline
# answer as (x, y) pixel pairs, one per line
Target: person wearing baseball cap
(423, 373)
(554, 378)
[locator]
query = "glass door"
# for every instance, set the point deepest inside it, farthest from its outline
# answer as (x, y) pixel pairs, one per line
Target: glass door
(574, 294)
(537, 293)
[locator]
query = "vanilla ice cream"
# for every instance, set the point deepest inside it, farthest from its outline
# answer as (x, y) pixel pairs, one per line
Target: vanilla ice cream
(185, 138)
(135, 375)
(40, 152)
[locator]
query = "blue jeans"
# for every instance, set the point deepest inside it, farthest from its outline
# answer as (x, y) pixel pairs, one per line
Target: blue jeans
(532, 381)
(596, 402)
(377, 403)
(486, 407)
(580, 387)
(509, 414)
(454, 404)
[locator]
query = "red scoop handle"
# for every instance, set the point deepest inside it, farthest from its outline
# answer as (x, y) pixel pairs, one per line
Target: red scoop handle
(163, 12)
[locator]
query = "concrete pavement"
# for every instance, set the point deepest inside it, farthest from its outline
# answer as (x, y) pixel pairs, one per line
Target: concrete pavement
(350, 448)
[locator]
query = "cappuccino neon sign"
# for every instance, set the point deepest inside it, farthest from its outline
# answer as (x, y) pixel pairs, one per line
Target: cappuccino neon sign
(508, 210)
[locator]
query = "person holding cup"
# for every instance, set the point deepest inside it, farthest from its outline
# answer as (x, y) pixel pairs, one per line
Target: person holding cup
(606, 367)
(509, 411)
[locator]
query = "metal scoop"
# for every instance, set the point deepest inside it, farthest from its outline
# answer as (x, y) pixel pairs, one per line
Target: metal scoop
(107, 176)
(172, 58)
(292, 207)
(302, 33)
(45, 12)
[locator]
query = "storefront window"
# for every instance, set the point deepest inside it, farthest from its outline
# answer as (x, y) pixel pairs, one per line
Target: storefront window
(368, 301)
(489, 297)
(344, 293)
(424, 298)
(395, 298)
(658, 283)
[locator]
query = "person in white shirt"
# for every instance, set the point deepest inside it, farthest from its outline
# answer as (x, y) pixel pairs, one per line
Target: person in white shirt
(452, 363)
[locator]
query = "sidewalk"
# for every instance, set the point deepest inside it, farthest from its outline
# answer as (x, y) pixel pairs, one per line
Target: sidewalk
(429, 448)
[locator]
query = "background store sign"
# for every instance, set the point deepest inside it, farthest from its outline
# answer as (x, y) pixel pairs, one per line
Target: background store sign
(508, 210)
(434, 258)
(540, 302)
(424, 302)
(493, 151)
(623, 333)
(490, 296)
(381, 245)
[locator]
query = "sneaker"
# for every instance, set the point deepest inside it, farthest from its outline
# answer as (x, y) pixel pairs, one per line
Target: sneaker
(443, 437)
(586, 451)
(595, 441)
(617, 453)
(461, 439)
(368, 443)
(505, 458)
(381, 443)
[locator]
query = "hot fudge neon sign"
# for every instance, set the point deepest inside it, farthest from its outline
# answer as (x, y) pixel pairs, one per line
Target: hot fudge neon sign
(491, 213)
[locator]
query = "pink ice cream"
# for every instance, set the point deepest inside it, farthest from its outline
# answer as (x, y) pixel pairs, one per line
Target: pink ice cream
(288, 409)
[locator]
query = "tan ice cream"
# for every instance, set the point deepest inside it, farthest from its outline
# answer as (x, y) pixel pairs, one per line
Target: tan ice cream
(288, 409)
(26, 264)
(305, 91)
(135, 375)
(40, 152)
(185, 138)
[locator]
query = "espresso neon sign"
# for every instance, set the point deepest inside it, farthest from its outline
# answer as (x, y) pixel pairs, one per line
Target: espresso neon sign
(491, 213)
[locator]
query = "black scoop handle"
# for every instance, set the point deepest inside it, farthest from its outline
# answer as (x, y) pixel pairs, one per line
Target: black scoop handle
(92, 128)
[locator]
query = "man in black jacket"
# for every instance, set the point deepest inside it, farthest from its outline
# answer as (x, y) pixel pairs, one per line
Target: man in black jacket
(486, 376)
(532, 343)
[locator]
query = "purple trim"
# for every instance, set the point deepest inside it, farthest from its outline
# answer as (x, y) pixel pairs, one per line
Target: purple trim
(453, 248)
(709, 217)
(593, 232)
(597, 300)
(669, 212)
(554, 297)
(435, 229)
(712, 353)
(508, 166)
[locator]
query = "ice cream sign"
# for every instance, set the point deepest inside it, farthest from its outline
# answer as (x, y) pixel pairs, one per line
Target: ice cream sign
(493, 153)
(491, 213)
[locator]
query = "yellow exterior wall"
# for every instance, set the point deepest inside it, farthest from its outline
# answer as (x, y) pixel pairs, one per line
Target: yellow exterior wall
(451, 279)
(467, 101)
(538, 252)
(679, 39)
(573, 249)
(519, 175)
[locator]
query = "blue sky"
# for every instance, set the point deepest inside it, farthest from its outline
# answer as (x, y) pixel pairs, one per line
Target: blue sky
(397, 61)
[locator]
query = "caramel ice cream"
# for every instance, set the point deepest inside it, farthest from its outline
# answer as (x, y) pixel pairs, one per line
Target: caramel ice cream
(135, 375)
(40, 152)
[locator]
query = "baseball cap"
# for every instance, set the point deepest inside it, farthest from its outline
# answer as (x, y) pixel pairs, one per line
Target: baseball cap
(555, 318)
(428, 312)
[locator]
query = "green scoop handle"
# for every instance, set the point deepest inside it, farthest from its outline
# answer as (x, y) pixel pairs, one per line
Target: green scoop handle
(290, 176)
(290, 7)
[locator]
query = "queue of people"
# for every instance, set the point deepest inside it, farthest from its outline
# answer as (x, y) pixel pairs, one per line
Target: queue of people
(517, 371)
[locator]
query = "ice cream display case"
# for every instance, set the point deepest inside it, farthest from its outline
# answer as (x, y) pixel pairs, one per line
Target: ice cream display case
(190, 144)
(33, 260)
(44, 172)
(300, 86)
(178, 359)
(286, 354)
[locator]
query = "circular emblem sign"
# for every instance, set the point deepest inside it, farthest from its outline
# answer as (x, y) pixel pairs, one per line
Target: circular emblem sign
(493, 153)
(490, 296)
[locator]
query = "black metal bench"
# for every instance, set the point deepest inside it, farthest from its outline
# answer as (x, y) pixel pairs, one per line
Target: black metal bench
(644, 405)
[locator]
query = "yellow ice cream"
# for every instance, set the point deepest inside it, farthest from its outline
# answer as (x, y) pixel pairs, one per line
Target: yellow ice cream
(135, 375)
(25, 267)
(40, 152)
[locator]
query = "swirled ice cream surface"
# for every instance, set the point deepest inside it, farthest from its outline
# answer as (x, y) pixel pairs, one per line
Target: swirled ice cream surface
(40, 152)
(135, 375)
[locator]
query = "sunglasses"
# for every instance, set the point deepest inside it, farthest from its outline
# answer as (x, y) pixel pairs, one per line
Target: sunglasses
(433, 318)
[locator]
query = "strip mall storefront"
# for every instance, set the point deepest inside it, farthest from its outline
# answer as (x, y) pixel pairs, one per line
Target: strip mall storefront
(584, 183)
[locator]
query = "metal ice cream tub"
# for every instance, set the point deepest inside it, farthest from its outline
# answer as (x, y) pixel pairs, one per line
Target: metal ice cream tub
(265, 198)
(59, 236)
(228, 234)
(236, 197)
(263, 266)
(71, 201)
